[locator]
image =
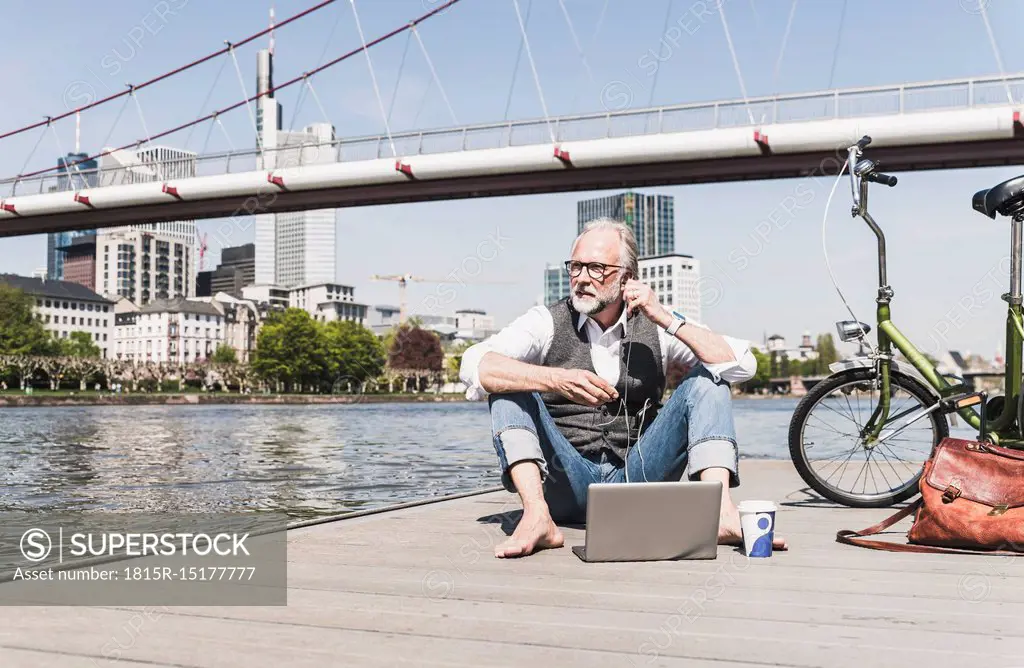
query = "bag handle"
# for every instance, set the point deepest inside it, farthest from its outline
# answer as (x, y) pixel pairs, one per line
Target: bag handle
(850, 537)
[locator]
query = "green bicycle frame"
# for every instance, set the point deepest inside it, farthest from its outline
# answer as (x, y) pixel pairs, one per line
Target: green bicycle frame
(1001, 428)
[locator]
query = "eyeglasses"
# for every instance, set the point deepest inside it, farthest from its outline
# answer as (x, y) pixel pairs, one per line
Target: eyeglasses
(597, 270)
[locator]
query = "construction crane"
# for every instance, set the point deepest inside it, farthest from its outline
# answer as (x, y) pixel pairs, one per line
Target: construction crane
(403, 280)
(202, 250)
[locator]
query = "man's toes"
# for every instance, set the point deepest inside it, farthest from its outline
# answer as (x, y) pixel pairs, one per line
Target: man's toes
(510, 548)
(779, 544)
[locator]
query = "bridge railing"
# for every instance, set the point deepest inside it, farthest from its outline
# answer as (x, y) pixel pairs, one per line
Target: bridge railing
(847, 103)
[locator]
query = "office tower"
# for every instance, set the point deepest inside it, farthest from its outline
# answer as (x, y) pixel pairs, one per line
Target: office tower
(75, 172)
(652, 218)
(144, 266)
(675, 279)
(236, 270)
(145, 165)
(294, 248)
(556, 284)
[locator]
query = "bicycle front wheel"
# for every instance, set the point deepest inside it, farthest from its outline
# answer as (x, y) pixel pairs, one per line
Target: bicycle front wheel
(827, 446)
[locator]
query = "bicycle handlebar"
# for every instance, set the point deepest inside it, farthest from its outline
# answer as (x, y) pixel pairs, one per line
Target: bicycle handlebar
(878, 177)
(852, 160)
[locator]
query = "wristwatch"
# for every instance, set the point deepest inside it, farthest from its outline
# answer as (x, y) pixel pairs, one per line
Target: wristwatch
(678, 320)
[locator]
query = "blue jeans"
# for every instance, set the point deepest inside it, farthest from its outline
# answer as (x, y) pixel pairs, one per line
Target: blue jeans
(693, 431)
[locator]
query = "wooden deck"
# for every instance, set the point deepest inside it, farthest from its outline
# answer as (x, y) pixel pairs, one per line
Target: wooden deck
(420, 586)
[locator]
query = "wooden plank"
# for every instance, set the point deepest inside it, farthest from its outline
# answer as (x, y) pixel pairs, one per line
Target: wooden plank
(11, 657)
(208, 642)
(420, 586)
(730, 607)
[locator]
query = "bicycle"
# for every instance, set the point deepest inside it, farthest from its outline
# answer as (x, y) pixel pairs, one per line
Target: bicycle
(877, 377)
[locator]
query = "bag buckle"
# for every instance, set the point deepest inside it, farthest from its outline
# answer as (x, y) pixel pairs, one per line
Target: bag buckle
(999, 510)
(950, 494)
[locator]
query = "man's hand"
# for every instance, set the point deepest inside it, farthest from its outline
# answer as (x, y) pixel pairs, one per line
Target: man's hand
(582, 387)
(640, 297)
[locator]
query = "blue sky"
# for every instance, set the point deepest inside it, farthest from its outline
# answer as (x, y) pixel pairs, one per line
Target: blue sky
(763, 276)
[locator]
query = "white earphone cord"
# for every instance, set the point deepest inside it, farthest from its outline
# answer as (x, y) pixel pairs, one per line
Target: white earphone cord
(824, 249)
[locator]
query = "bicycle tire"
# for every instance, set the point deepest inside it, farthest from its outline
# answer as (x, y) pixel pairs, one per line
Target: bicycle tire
(803, 410)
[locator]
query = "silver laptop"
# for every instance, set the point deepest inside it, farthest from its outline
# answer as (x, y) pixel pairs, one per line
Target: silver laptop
(651, 521)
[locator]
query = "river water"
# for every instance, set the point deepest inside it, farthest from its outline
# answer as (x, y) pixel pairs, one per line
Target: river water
(303, 461)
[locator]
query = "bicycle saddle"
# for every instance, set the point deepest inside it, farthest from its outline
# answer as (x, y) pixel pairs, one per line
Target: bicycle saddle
(1006, 198)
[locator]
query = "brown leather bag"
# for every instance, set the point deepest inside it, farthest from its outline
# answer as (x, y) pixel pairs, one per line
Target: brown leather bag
(972, 500)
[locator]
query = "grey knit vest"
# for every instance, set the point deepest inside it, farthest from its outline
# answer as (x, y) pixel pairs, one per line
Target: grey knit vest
(584, 426)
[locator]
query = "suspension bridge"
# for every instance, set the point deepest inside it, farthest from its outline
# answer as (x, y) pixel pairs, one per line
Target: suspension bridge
(949, 124)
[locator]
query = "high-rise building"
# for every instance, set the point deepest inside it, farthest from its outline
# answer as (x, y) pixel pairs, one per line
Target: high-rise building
(294, 248)
(145, 165)
(74, 172)
(143, 266)
(236, 270)
(651, 217)
(556, 284)
(80, 260)
(675, 279)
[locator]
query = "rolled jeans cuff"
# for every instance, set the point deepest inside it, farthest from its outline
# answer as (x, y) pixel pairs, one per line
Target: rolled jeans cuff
(714, 453)
(519, 444)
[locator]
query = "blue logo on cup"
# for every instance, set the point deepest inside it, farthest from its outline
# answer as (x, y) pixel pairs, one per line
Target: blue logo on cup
(757, 520)
(763, 543)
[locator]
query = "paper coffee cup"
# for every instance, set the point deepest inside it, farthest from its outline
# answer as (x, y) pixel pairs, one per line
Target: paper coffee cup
(757, 521)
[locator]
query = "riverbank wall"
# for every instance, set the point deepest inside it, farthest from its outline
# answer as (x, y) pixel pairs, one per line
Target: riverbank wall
(160, 399)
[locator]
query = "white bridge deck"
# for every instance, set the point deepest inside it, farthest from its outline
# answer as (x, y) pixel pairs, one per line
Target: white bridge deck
(420, 587)
(933, 125)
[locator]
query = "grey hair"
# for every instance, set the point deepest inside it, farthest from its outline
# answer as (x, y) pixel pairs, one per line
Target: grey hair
(628, 249)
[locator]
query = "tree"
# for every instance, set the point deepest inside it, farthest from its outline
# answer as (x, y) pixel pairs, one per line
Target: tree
(353, 353)
(454, 364)
(416, 353)
(290, 350)
(79, 344)
(21, 332)
(224, 354)
(415, 348)
(762, 374)
(827, 354)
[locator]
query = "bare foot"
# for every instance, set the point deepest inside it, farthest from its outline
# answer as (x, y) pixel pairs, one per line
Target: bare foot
(730, 533)
(536, 531)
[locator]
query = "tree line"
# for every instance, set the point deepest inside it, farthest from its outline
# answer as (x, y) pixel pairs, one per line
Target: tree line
(293, 353)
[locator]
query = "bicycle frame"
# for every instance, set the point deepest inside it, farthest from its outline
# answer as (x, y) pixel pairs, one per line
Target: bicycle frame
(1002, 428)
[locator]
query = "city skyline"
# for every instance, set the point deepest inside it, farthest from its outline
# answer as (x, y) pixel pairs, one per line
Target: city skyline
(762, 256)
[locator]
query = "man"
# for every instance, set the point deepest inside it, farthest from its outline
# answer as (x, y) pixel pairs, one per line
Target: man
(565, 413)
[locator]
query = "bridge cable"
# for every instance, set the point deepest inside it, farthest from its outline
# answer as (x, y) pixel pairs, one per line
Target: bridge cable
(519, 58)
(995, 48)
(149, 140)
(248, 103)
(373, 77)
(172, 73)
(533, 68)
(323, 54)
(735, 62)
(206, 101)
(398, 77)
(316, 98)
(664, 33)
(835, 51)
(209, 132)
(60, 149)
(225, 131)
(433, 73)
(32, 152)
(778, 62)
(576, 41)
(590, 45)
(214, 114)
